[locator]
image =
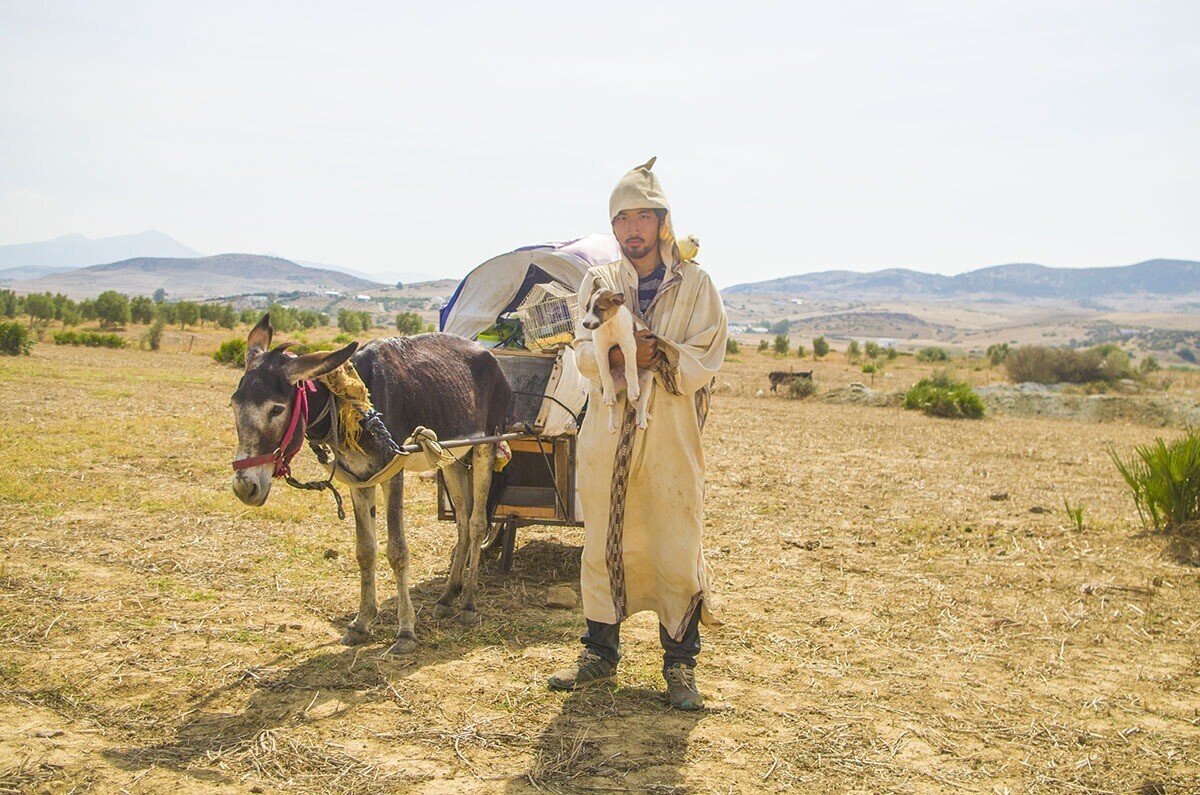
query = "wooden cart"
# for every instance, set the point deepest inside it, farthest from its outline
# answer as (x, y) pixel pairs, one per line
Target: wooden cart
(539, 481)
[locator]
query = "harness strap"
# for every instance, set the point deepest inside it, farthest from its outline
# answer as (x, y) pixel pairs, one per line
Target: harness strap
(286, 451)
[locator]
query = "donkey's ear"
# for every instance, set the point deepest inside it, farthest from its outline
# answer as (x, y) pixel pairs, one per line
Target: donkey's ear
(315, 365)
(259, 341)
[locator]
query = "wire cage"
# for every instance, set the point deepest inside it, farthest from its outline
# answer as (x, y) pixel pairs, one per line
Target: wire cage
(549, 314)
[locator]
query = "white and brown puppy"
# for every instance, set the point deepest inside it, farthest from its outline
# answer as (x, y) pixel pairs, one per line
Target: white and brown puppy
(612, 326)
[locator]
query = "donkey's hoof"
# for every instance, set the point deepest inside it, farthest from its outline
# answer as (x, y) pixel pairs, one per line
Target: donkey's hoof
(403, 645)
(469, 617)
(442, 611)
(355, 637)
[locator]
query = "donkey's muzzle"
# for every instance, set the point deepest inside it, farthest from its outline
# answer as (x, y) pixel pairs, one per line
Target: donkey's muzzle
(251, 490)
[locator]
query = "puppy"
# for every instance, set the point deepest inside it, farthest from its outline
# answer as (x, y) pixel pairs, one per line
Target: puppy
(612, 326)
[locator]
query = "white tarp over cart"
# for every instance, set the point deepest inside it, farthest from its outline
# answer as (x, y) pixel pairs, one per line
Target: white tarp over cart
(499, 285)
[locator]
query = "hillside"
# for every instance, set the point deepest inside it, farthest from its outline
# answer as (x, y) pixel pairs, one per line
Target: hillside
(1017, 281)
(197, 277)
(24, 261)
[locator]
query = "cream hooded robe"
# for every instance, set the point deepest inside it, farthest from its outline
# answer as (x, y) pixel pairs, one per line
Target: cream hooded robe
(643, 552)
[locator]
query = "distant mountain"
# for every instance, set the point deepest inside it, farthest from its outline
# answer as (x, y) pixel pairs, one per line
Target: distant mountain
(1020, 281)
(197, 277)
(32, 260)
(385, 278)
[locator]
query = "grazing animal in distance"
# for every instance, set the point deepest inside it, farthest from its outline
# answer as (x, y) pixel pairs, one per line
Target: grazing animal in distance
(440, 381)
(781, 378)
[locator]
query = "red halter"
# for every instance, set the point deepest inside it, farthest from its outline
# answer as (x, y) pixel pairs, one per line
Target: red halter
(283, 455)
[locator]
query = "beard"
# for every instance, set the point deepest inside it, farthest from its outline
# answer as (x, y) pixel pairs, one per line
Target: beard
(637, 251)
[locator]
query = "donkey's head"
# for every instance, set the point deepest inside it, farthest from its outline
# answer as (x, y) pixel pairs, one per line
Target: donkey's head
(264, 402)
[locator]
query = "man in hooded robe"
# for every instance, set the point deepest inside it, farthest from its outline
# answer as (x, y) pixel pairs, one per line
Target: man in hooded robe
(642, 491)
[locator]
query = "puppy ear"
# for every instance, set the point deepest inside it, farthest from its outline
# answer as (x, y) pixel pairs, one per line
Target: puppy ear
(315, 365)
(587, 294)
(618, 298)
(259, 341)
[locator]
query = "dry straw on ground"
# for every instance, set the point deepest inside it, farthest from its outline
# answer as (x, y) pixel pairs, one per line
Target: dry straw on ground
(889, 627)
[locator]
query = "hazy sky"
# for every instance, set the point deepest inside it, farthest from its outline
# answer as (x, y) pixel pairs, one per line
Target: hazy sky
(791, 137)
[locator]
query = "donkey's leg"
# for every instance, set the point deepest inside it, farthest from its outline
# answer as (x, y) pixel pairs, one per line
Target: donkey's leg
(364, 526)
(483, 457)
(397, 555)
(458, 486)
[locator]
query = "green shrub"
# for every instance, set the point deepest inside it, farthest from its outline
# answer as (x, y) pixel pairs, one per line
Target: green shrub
(782, 344)
(407, 323)
(942, 396)
(731, 346)
(89, 339)
(763, 346)
(853, 352)
(155, 332)
(801, 388)
(1044, 365)
(1165, 481)
(933, 354)
(311, 347)
(820, 347)
(15, 339)
(231, 352)
(343, 339)
(1149, 365)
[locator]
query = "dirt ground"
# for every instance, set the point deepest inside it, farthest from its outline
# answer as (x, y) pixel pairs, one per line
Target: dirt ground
(908, 609)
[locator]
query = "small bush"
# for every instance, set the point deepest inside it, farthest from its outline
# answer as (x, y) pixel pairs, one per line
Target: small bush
(731, 346)
(782, 344)
(232, 352)
(996, 354)
(763, 346)
(155, 332)
(89, 339)
(942, 396)
(311, 347)
(801, 388)
(1165, 481)
(15, 340)
(1045, 365)
(343, 339)
(820, 347)
(933, 354)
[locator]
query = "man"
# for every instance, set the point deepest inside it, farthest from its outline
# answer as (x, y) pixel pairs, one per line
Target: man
(642, 492)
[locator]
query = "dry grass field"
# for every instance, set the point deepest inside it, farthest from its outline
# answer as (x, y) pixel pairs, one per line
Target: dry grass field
(908, 609)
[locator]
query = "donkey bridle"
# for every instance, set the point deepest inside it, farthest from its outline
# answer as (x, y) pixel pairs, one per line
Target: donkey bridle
(292, 441)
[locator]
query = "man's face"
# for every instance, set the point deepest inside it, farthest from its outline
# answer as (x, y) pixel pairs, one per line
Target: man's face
(636, 231)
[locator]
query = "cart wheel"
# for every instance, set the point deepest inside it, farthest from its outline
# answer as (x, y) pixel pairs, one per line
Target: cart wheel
(510, 540)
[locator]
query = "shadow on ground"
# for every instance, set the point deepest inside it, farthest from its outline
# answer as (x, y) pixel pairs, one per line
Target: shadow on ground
(341, 679)
(614, 739)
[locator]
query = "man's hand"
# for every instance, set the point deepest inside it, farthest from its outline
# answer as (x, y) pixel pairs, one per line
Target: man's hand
(647, 348)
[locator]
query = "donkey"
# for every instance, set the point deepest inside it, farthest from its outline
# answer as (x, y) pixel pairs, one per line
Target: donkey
(441, 381)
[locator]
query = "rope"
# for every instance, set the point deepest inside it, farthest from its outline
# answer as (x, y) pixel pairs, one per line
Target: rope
(327, 484)
(564, 406)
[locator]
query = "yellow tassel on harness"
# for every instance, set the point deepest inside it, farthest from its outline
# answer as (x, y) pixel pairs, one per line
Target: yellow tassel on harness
(353, 402)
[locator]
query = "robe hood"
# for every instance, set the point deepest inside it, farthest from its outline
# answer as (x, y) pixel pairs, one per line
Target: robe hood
(640, 189)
